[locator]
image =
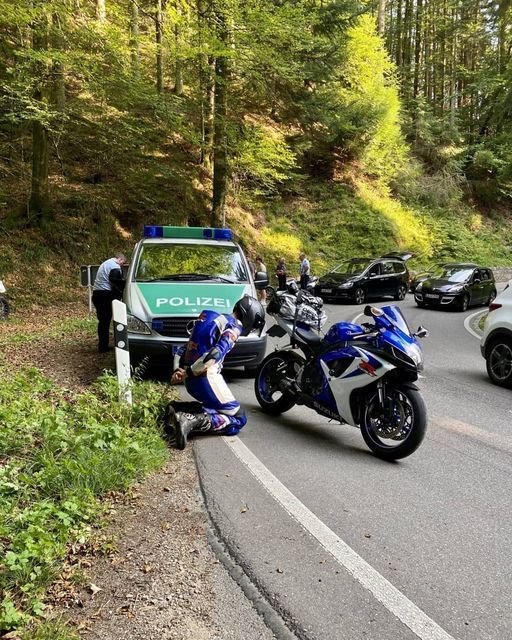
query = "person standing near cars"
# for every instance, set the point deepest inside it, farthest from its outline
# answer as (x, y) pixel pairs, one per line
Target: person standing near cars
(281, 275)
(108, 286)
(261, 268)
(305, 271)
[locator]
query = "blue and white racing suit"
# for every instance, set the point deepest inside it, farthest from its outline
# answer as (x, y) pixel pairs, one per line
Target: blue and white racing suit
(213, 337)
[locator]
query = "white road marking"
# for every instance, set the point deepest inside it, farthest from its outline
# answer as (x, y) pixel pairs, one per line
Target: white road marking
(393, 599)
(467, 324)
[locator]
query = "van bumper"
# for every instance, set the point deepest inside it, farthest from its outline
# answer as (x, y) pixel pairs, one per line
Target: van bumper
(245, 353)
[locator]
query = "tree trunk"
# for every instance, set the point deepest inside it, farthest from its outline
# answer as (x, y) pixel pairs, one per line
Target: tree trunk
(178, 76)
(159, 48)
(417, 46)
(381, 17)
(220, 147)
(59, 86)
(101, 10)
(134, 38)
(39, 195)
(220, 151)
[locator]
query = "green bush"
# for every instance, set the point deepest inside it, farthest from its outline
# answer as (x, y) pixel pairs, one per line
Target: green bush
(60, 453)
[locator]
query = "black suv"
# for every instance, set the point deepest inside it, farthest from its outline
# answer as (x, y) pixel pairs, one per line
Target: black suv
(361, 278)
(457, 285)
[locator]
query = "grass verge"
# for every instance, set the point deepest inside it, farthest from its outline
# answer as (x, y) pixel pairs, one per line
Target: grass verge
(60, 452)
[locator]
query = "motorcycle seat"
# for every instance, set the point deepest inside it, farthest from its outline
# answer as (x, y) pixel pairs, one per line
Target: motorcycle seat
(310, 337)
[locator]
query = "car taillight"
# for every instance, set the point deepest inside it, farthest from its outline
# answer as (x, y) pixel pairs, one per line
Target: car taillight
(494, 306)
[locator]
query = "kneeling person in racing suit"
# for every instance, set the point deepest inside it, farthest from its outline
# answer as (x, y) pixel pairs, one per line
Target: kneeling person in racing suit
(212, 338)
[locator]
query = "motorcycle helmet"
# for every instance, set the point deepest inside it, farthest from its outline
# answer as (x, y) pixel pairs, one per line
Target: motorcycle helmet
(251, 314)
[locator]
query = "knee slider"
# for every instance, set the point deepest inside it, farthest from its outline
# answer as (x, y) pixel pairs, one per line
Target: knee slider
(241, 417)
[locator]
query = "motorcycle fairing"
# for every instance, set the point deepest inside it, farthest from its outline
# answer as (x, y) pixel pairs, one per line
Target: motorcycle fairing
(365, 369)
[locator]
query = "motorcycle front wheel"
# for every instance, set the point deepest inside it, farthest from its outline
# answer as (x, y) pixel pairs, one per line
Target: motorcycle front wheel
(268, 387)
(396, 429)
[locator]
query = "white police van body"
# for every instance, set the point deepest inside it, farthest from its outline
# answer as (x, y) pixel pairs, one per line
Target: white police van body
(175, 273)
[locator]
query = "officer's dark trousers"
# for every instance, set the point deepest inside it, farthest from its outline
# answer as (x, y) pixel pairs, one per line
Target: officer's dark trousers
(281, 279)
(304, 280)
(102, 300)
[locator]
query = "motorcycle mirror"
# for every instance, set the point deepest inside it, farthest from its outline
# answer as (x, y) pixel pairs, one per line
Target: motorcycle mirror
(421, 332)
(373, 312)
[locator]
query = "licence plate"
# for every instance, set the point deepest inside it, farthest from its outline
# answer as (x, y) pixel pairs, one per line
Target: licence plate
(326, 290)
(433, 296)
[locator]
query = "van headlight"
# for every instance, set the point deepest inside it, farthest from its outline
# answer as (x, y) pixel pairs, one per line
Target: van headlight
(135, 325)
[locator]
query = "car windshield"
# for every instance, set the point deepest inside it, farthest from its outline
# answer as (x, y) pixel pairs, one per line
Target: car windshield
(351, 267)
(190, 262)
(453, 273)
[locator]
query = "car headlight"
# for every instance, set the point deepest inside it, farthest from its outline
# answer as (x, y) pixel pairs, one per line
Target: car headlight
(135, 325)
(346, 285)
(419, 286)
(456, 288)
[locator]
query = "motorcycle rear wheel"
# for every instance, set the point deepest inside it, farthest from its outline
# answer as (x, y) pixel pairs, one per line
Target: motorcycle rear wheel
(398, 430)
(276, 366)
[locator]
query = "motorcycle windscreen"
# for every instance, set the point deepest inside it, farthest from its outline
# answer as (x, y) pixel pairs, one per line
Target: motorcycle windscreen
(394, 314)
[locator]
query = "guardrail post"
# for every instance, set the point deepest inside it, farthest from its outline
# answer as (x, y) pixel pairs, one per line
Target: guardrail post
(122, 353)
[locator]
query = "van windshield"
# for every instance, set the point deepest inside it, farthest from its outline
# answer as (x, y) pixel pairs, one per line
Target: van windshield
(190, 262)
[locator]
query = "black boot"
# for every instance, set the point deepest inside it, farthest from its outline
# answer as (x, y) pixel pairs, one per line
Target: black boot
(186, 423)
(170, 422)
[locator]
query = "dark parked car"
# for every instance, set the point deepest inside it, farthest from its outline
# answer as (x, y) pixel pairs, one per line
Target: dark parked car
(457, 286)
(361, 278)
(421, 276)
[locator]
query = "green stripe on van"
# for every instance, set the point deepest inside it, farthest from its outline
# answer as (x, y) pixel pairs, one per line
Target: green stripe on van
(185, 299)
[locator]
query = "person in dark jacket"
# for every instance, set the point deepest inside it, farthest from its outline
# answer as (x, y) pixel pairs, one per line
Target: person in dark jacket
(281, 275)
(212, 338)
(108, 286)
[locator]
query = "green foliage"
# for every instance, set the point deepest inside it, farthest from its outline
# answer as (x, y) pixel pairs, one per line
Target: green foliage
(331, 223)
(61, 453)
(263, 159)
(373, 92)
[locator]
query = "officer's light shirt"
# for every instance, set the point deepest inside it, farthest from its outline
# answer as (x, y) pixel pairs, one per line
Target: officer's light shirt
(101, 282)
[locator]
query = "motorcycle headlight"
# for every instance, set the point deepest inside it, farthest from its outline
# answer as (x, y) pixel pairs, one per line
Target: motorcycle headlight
(416, 354)
(135, 325)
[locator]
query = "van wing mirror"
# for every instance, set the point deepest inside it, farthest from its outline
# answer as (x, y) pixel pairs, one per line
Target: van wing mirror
(421, 332)
(260, 280)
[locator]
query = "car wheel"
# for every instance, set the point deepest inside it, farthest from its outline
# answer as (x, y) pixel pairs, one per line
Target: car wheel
(499, 361)
(464, 303)
(359, 295)
(491, 297)
(401, 292)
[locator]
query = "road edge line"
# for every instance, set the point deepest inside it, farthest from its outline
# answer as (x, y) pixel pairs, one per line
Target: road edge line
(386, 593)
(469, 328)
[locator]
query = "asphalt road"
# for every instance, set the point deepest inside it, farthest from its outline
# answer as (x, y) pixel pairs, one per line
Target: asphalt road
(344, 545)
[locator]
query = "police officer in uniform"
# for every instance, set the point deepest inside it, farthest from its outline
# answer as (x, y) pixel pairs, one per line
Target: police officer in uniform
(108, 286)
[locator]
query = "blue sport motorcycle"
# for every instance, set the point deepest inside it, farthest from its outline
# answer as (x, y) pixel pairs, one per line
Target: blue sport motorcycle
(360, 375)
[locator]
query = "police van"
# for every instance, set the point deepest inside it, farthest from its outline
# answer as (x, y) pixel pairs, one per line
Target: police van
(175, 273)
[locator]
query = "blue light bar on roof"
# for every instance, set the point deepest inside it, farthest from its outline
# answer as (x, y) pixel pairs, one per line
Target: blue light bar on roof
(198, 233)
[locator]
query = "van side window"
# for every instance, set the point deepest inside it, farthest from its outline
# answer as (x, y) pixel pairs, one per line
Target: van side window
(399, 267)
(387, 268)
